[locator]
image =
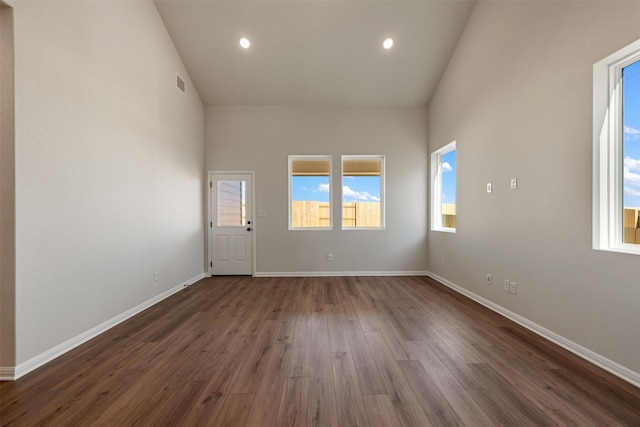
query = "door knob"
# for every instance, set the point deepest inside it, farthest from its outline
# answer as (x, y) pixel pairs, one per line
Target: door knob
(249, 229)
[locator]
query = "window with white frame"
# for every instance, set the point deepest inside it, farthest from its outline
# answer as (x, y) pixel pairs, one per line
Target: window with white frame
(616, 151)
(362, 192)
(310, 193)
(443, 189)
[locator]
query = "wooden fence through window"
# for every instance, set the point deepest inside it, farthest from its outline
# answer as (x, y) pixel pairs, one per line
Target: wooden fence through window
(631, 225)
(315, 214)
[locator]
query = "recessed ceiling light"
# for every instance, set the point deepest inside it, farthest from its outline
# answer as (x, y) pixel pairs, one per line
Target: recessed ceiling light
(245, 43)
(387, 43)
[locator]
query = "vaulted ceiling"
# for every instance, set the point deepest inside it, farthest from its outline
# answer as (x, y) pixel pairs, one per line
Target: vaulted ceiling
(306, 52)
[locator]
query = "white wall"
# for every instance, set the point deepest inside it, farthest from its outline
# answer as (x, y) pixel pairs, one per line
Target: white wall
(109, 167)
(261, 137)
(7, 192)
(517, 98)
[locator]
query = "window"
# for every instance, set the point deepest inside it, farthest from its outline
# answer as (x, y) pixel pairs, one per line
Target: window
(362, 192)
(616, 151)
(231, 203)
(443, 190)
(310, 192)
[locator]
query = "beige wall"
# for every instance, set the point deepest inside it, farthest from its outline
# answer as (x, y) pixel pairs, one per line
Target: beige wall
(7, 192)
(517, 98)
(109, 167)
(260, 138)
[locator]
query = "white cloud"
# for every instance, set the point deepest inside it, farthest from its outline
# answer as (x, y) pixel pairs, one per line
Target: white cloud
(632, 176)
(631, 191)
(348, 193)
(323, 188)
(632, 131)
(446, 167)
(631, 165)
(631, 134)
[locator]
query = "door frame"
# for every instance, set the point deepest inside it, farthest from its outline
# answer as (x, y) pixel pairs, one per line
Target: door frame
(210, 176)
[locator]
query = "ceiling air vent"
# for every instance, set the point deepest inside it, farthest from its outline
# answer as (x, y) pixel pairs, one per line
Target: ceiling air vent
(181, 84)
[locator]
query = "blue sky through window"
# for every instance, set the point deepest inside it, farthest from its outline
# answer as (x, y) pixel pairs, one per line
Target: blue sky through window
(361, 189)
(310, 188)
(355, 188)
(449, 177)
(631, 123)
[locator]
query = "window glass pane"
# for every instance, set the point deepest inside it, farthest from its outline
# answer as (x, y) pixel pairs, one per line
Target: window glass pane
(310, 194)
(448, 198)
(231, 203)
(361, 193)
(631, 152)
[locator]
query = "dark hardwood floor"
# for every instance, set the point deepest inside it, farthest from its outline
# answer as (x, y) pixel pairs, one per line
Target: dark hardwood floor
(329, 351)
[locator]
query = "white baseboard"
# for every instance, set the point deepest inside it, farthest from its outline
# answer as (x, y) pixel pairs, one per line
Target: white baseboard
(10, 373)
(337, 273)
(7, 373)
(608, 365)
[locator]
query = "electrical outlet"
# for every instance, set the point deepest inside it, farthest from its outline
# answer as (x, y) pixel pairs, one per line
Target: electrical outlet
(156, 276)
(329, 257)
(488, 279)
(513, 288)
(506, 287)
(514, 183)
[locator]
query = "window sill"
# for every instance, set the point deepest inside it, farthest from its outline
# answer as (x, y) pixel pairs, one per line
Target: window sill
(311, 229)
(445, 230)
(362, 228)
(626, 249)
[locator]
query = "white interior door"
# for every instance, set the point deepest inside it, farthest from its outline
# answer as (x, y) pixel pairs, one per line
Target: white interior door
(231, 223)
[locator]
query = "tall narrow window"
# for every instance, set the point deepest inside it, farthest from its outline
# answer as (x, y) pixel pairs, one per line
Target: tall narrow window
(443, 189)
(310, 192)
(616, 151)
(631, 151)
(362, 192)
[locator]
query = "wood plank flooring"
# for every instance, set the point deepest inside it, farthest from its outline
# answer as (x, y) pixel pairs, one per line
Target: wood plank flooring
(328, 351)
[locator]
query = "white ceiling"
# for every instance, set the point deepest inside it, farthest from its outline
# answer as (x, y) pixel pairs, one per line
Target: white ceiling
(323, 52)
